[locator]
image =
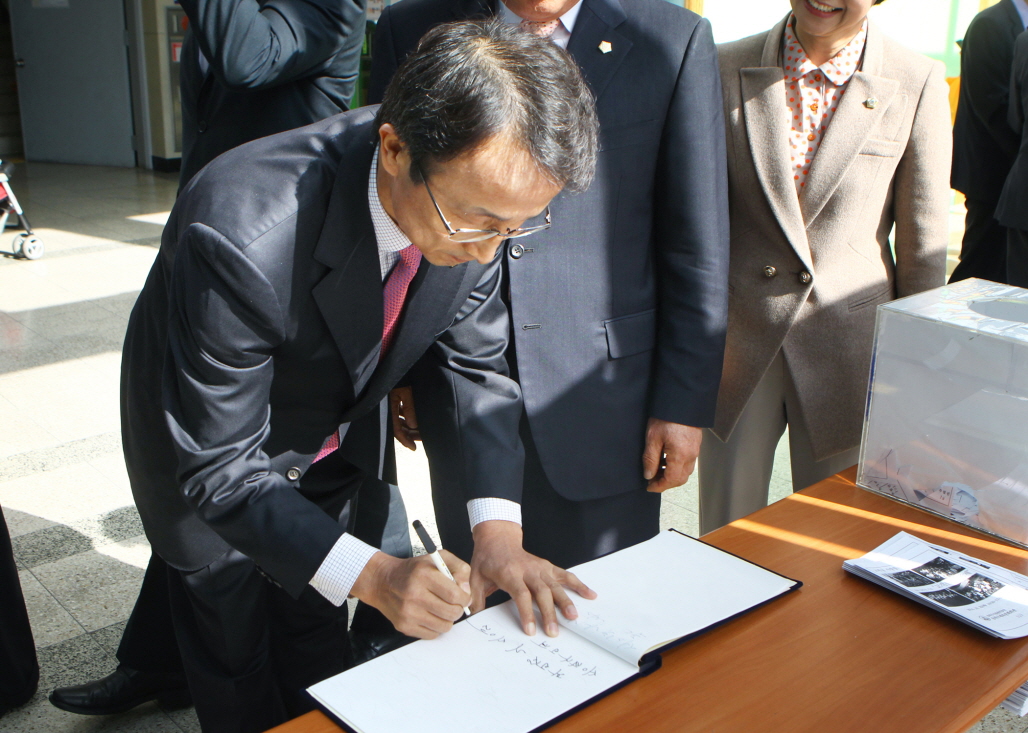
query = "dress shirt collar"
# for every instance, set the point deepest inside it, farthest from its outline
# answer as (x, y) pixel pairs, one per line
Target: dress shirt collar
(389, 236)
(838, 69)
(567, 20)
(1022, 10)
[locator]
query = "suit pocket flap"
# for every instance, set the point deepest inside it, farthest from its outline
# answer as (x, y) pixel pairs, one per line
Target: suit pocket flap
(632, 334)
(881, 148)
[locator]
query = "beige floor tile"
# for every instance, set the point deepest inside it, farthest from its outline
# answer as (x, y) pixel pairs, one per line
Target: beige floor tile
(20, 432)
(19, 523)
(1001, 720)
(65, 495)
(95, 589)
(134, 552)
(51, 623)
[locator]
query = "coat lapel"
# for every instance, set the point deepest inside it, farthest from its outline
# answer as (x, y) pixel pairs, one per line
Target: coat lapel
(851, 125)
(767, 128)
(595, 24)
(430, 299)
(350, 295)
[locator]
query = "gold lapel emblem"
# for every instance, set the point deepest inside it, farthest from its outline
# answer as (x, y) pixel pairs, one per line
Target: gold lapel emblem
(605, 47)
(871, 103)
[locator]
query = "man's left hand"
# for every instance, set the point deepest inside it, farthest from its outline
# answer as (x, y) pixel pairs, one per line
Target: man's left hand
(500, 562)
(670, 454)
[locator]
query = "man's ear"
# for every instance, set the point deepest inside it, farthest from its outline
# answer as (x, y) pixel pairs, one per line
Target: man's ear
(392, 152)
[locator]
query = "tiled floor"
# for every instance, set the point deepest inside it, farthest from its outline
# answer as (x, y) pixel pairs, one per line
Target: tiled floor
(76, 535)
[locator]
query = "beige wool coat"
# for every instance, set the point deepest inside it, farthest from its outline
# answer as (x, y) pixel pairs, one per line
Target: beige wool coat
(806, 273)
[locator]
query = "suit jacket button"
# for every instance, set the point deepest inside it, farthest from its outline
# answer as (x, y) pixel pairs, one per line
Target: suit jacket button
(202, 127)
(293, 474)
(770, 271)
(805, 277)
(516, 250)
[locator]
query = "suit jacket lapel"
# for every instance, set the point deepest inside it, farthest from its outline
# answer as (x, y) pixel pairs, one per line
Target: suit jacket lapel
(350, 295)
(850, 127)
(596, 23)
(430, 297)
(470, 9)
(767, 128)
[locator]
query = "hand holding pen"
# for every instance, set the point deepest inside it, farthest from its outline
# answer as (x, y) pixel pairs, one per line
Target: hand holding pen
(433, 553)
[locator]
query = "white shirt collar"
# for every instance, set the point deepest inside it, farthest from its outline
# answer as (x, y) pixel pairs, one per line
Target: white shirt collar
(388, 235)
(563, 32)
(1022, 10)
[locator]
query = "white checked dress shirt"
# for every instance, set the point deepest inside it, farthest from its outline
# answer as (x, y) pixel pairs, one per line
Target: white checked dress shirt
(347, 558)
(560, 36)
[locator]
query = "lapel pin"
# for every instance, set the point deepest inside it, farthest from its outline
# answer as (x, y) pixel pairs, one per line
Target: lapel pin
(870, 102)
(605, 47)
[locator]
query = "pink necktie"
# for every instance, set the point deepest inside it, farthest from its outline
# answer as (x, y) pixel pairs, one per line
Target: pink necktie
(543, 29)
(393, 296)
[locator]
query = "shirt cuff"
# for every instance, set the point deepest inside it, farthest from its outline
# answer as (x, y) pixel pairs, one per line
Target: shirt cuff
(340, 568)
(484, 510)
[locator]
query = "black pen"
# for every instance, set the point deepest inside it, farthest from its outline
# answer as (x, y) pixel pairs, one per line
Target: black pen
(433, 552)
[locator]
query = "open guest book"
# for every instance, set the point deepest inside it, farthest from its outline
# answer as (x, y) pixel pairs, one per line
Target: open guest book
(486, 674)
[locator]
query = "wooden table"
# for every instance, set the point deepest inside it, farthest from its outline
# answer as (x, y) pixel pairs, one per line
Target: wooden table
(840, 654)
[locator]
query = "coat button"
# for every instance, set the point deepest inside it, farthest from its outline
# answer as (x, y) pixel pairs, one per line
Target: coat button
(202, 126)
(293, 474)
(770, 271)
(516, 250)
(805, 277)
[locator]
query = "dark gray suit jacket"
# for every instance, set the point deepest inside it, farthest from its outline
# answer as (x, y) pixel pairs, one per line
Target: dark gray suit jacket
(274, 65)
(258, 333)
(984, 146)
(618, 311)
(1012, 210)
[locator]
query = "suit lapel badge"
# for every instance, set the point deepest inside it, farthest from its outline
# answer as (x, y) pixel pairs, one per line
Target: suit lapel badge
(605, 47)
(871, 103)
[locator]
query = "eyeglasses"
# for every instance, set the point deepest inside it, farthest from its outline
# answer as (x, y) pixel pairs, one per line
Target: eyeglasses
(480, 235)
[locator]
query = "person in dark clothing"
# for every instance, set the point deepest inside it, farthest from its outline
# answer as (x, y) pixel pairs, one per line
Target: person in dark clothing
(1011, 211)
(19, 670)
(250, 68)
(984, 145)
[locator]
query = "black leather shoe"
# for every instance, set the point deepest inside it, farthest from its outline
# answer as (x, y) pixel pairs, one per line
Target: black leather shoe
(122, 690)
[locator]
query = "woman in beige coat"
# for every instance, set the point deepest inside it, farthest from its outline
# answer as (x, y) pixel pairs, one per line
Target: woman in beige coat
(836, 134)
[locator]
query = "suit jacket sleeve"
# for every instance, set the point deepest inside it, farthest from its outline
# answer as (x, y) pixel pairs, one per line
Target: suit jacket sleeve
(986, 78)
(250, 45)
(467, 401)
(691, 234)
(224, 325)
(383, 60)
(921, 190)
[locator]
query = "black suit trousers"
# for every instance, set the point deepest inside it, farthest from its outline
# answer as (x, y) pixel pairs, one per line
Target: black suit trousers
(563, 531)
(19, 670)
(983, 252)
(1017, 258)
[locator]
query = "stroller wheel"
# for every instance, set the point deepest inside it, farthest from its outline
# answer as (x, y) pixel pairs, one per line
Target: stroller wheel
(28, 246)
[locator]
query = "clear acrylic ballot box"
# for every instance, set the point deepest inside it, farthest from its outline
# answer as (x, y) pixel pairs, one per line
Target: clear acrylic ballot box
(946, 426)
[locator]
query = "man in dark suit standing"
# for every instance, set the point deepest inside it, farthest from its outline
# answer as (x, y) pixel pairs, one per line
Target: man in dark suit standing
(264, 334)
(1011, 211)
(250, 68)
(618, 319)
(984, 145)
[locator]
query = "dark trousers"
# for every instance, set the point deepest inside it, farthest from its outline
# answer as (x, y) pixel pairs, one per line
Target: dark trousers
(1017, 257)
(148, 642)
(19, 670)
(562, 531)
(250, 649)
(983, 252)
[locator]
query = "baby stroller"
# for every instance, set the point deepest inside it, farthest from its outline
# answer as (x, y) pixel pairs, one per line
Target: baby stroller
(26, 244)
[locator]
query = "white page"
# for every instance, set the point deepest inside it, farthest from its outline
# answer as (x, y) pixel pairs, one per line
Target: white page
(484, 674)
(663, 589)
